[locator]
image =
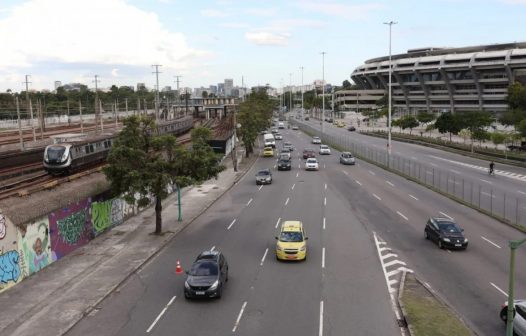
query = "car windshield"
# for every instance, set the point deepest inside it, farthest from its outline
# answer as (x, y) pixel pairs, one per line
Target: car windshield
(263, 173)
(204, 269)
(291, 237)
(324, 147)
(449, 227)
(347, 156)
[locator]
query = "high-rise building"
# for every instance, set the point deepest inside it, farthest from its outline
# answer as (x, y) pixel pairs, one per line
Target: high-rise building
(167, 88)
(229, 85)
(220, 89)
(213, 89)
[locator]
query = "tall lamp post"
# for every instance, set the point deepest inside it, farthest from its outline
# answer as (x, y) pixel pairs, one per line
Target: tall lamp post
(514, 244)
(290, 88)
(302, 116)
(390, 23)
(323, 89)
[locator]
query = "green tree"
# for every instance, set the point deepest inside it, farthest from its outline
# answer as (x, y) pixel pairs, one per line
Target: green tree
(521, 128)
(254, 116)
(143, 163)
(346, 85)
(425, 117)
(481, 135)
(476, 122)
(430, 128)
(410, 122)
(449, 123)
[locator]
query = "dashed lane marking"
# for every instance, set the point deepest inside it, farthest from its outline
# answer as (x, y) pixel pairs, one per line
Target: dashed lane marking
(260, 187)
(287, 201)
(239, 316)
(392, 185)
(489, 241)
(359, 183)
(371, 172)
(500, 290)
(228, 228)
(277, 223)
(413, 197)
(263, 259)
(402, 215)
(249, 201)
(160, 315)
(377, 197)
(445, 215)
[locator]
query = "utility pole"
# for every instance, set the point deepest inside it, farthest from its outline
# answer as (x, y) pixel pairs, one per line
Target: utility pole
(390, 23)
(97, 110)
(178, 97)
(290, 87)
(81, 121)
(323, 90)
(30, 107)
(156, 72)
(302, 116)
(19, 124)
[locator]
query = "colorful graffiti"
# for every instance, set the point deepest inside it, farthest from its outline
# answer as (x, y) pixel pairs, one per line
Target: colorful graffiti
(34, 246)
(10, 260)
(9, 268)
(117, 211)
(100, 216)
(70, 228)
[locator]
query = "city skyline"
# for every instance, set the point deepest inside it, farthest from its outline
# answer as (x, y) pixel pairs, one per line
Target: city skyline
(209, 41)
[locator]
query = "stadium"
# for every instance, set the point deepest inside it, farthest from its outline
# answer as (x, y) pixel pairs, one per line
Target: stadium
(442, 79)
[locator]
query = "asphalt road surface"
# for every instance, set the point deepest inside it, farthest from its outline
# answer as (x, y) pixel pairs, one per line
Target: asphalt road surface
(363, 224)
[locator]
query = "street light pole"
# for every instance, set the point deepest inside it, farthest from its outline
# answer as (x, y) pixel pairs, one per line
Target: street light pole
(390, 23)
(323, 90)
(290, 88)
(514, 244)
(302, 117)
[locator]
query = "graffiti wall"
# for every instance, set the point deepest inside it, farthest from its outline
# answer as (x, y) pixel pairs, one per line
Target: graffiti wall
(70, 228)
(106, 214)
(34, 247)
(10, 273)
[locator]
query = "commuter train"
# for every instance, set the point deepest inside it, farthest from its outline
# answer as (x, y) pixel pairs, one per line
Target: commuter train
(72, 152)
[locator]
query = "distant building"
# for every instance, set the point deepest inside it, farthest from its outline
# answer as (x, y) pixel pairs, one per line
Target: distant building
(73, 87)
(213, 89)
(220, 89)
(58, 84)
(166, 89)
(129, 87)
(141, 86)
(229, 85)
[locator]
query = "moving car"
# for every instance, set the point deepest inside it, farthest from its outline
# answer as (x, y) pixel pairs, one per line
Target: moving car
(325, 150)
(294, 128)
(278, 136)
(264, 176)
(446, 233)
(284, 155)
(291, 242)
(288, 145)
(281, 125)
(284, 163)
(346, 158)
(316, 140)
(308, 153)
(351, 129)
(307, 118)
(340, 124)
(519, 318)
(274, 130)
(268, 152)
(311, 164)
(207, 276)
(269, 140)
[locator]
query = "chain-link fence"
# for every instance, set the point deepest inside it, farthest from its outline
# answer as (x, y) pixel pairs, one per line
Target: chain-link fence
(502, 205)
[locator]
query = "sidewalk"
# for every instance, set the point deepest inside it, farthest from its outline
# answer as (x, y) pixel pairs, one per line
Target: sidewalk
(53, 300)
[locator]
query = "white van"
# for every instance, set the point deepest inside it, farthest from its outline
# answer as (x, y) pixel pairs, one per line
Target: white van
(269, 140)
(281, 125)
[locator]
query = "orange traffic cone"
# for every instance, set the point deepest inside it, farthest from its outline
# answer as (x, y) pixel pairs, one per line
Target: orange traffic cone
(178, 268)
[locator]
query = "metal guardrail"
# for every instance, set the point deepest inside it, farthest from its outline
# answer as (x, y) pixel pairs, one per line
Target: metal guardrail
(497, 204)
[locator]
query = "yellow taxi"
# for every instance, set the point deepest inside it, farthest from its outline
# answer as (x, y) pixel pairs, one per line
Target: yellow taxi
(291, 242)
(268, 151)
(341, 124)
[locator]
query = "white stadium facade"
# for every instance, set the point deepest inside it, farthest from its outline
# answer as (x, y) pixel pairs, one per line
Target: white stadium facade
(441, 79)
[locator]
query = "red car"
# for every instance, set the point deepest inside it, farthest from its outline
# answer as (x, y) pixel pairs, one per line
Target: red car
(308, 153)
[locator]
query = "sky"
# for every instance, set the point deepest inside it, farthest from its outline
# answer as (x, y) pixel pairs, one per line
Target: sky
(206, 41)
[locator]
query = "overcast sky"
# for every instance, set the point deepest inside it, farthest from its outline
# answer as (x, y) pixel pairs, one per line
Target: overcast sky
(206, 41)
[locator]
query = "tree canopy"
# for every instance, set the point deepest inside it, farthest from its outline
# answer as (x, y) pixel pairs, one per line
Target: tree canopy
(142, 163)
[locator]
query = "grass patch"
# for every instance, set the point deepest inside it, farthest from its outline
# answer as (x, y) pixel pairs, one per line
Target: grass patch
(428, 316)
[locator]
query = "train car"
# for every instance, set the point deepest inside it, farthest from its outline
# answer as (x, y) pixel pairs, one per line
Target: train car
(72, 152)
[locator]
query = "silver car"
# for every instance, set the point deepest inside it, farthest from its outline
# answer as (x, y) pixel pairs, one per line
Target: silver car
(347, 158)
(519, 319)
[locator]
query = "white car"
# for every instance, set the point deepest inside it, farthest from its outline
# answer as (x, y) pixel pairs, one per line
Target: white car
(278, 136)
(316, 140)
(324, 149)
(311, 164)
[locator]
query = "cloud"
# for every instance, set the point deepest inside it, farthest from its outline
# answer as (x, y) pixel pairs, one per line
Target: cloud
(76, 31)
(214, 13)
(352, 12)
(294, 23)
(267, 38)
(514, 2)
(115, 72)
(261, 11)
(233, 25)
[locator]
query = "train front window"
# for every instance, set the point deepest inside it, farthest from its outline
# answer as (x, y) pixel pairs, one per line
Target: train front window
(55, 152)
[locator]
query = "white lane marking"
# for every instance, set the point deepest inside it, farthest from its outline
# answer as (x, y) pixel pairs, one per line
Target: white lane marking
(359, 183)
(320, 333)
(297, 174)
(261, 186)
(250, 201)
(372, 173)
(159, 316)
(324, 223)
(277, 223)
(293, 186)
(325, 186)
(522, 192)
(239, 316)
(274, 166)
(325, 201)
(346, 173)
(323, 257)
(448, 251)
(445, 214)
(228, 228)
(402, 215)
(392, 185)
(213, 248)
(500, 290)
(413, 197)
(263, 259)
(454, 171)
(287, 201)
(378, 198)
(324, 165)
(486, 181)
(489, 241)
(299, 165)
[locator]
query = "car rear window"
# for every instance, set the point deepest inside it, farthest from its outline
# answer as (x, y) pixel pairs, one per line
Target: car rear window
(263, 173)
(449, 227)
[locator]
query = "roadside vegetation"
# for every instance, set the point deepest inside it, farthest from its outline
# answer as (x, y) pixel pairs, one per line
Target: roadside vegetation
(142, 164)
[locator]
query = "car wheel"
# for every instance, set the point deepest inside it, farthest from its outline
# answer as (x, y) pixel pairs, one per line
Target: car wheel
(440, 246)
(219, 292)
(504, 314)
(426, 235)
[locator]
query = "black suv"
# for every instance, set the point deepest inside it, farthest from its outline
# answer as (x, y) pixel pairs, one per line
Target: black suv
(284, 164)
(207, 276)
(446, 233)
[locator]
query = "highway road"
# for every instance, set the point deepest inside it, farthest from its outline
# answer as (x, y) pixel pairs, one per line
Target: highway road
(364, 225)
(503, 194)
